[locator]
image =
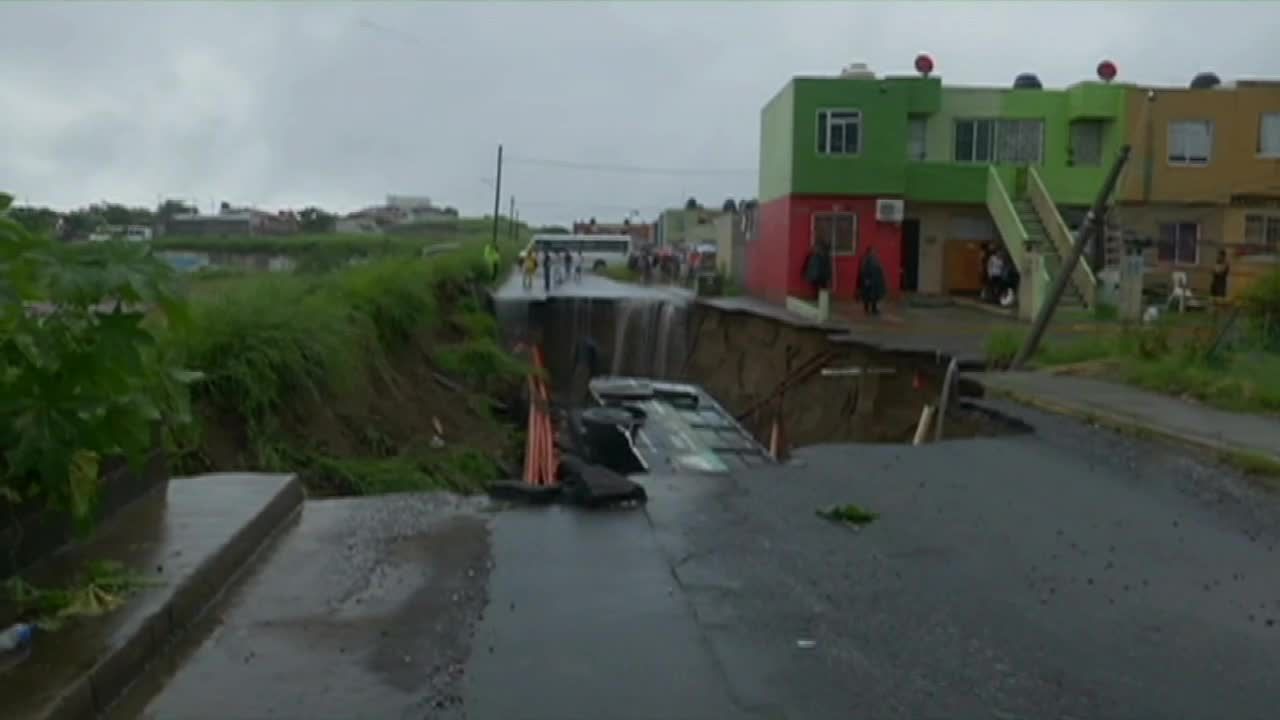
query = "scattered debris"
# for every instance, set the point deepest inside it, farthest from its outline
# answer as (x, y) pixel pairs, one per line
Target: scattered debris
(849, 514)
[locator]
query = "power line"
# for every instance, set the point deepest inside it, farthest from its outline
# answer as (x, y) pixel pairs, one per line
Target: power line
(633, 169)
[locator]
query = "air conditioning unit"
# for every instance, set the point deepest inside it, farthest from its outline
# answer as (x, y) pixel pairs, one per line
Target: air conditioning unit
(889, 210)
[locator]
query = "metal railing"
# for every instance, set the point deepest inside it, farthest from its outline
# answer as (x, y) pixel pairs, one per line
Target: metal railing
(1060, 235)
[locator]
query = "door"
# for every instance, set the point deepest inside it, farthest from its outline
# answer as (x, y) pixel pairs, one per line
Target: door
(910, 255)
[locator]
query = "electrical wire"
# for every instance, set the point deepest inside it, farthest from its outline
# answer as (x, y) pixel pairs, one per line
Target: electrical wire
(618, 168)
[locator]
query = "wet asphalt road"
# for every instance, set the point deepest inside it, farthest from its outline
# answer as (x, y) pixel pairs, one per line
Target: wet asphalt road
(1067, 574)
(591, 285)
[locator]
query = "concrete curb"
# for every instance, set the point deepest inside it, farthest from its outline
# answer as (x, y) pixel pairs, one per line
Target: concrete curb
(1121, 423)
(99, 686)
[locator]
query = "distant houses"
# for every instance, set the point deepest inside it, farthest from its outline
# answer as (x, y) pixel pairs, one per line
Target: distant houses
(399, 214)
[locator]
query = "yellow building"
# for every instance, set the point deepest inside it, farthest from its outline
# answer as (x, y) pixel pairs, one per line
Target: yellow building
(1204, 174)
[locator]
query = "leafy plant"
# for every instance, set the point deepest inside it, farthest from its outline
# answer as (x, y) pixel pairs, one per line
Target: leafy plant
(101, 588)
(850, 514)
(81, 376)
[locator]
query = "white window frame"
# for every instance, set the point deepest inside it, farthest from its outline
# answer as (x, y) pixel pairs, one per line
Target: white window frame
(1177, 224)
(1269, 121)
(822, 144)
(999, 126)
(1265, 223)
(991, 143)
(813, 231)
(1185, 159)
(917, 147)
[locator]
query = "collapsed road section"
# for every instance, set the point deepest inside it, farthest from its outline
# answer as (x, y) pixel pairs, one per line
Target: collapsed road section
(786, 381)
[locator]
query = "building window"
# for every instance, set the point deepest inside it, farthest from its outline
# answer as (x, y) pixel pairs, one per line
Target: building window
(975, 141)
(839, 132)
(1086, 143)
(1262, 232)
(1007, 142)
(1269, 135)
(916, 146)
(1179, 243)
(1190, 142)
(840, 229)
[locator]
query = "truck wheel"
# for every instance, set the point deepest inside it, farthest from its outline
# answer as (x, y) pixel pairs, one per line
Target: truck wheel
(597, 266)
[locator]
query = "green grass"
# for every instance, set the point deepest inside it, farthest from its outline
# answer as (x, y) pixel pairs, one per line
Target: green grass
(100, 588)
(461, 470)
(1169, 357)
(1264, 468)
(268, 341)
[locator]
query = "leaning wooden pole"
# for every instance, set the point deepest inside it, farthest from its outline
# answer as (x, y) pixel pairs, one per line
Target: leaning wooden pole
(1091, 226)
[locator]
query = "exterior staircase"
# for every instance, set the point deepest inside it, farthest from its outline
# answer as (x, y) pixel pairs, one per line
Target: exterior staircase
(1038, 237)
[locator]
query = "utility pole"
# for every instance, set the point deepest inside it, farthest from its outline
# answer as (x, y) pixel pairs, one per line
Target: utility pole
(497, 196)
(511, 219)
(1092, 226)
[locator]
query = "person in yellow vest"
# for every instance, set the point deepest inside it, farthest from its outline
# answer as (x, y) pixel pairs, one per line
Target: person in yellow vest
(491, 256)
(530, 268)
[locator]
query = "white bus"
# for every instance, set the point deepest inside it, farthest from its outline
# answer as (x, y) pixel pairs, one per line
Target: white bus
(598, 251)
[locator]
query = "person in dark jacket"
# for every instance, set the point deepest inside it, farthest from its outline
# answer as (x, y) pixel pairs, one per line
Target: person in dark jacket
(871, 283)
(817, 267)
(546, 270)
(1221, 268)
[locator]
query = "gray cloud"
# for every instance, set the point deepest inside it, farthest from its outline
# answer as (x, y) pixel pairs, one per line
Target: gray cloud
(285, 104)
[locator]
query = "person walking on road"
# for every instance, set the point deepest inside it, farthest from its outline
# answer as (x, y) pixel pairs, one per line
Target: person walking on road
(577, 267)
(568, 265)
(546, 271)
(492, 257)
(871, 283)
(530, 268)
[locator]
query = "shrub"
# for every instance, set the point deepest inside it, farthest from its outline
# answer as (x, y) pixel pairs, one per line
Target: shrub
(1261, 306)
(82, 377)
(1003, 345)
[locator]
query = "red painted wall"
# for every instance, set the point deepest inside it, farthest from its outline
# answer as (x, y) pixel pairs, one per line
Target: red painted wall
(886, 238)
(767, 254)
(775, 261)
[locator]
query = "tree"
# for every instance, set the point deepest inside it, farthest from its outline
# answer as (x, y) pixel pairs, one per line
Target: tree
(691, 204)
(169, 208)
(729, 206)
(553, 230)
(314, 220)
(41, 221)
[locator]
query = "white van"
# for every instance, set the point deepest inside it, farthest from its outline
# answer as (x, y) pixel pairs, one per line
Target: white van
(598, 251)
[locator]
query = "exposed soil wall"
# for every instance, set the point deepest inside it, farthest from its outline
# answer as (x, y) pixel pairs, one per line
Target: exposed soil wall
(741, 359)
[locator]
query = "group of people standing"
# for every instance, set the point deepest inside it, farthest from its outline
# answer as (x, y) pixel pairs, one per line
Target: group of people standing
(557, 267)
(869, 283)
(999, 277)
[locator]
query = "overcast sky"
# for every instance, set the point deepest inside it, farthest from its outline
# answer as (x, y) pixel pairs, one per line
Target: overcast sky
(283, 105)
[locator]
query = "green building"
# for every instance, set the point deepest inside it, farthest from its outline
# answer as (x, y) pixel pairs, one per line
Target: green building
(927, 175)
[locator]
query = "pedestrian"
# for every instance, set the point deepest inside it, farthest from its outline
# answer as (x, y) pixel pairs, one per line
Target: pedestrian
(530, 268)
(492, 257)
(817, 266)
(577, 267)
(995, 275)
(871, 282)
(568, 264)
(1218, 286)
(546, 270)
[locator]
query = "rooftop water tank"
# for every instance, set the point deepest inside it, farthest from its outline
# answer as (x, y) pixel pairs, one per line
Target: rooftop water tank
(1027, 81)
(1205, 81)
(857, 70)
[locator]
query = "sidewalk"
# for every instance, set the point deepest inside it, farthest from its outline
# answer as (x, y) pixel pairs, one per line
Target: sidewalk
(1126, 407)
